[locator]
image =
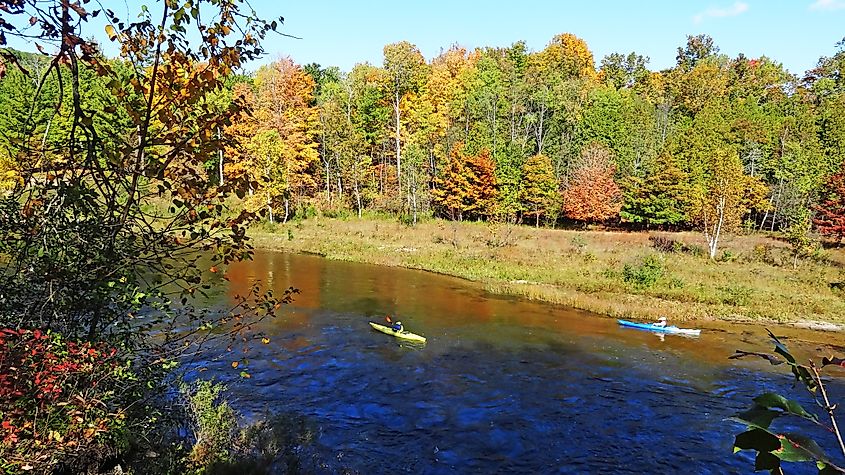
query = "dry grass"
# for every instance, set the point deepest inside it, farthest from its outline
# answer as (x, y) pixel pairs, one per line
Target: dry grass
(755, 281)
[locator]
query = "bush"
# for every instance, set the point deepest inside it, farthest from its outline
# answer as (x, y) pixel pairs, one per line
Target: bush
(646, 274)
(763, 253)
(213, 422)
(736, 295)
(665, 244)
(222, 446)
(579, 243)
(694, 250)
(728, 256)
(62, 402)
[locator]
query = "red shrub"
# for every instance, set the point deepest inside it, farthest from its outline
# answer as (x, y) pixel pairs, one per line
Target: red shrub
(56, 397)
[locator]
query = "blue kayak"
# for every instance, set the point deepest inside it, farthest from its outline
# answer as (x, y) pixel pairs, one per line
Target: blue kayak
(657, 328)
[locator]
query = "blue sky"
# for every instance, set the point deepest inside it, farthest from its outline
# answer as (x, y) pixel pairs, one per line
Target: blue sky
(344, 32)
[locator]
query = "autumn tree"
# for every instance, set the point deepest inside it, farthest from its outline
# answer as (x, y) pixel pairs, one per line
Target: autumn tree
(483, 193)
(466, 188)
(830, 212)
(238, 133)
(84, 257)
(284, 97)
(538, 189)
(725, 197)
(406, 69)
(592, 195)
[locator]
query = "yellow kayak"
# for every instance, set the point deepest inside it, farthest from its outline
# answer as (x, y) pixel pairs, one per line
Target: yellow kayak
(398, 334)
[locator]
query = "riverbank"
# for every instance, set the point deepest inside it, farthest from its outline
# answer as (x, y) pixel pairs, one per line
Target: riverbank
(620, 274)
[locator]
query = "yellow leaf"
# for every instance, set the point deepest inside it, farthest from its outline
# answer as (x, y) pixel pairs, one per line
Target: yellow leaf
(110, 31)
(265, 340)
(235, 364)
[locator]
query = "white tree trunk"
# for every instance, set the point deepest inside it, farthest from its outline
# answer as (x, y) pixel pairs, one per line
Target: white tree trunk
(398, 144)
(713, 237)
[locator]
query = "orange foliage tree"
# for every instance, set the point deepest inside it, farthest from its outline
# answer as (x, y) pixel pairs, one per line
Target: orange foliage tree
(592, 195)
(467, 186)
(242, 127)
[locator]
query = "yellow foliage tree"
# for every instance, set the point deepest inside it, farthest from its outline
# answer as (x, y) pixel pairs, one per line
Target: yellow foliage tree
(725, 197)
(285, 94)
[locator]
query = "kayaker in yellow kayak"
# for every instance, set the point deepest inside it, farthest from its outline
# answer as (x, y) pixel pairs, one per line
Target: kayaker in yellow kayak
(394, 325)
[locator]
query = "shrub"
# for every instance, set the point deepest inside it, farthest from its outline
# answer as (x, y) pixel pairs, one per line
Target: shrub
(221, 445)
(763, 253)
(736, 295)
(62, 402)
(728, 256)
(589, 257)
(646, 274)
(213, 423)
(694, 250)
(676, 283)
(579, 243)
(665, 244)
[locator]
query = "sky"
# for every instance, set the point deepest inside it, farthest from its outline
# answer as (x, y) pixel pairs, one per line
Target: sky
(345, 32)
(341, 33)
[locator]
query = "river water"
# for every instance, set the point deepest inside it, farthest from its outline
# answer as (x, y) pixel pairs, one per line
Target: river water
(503, 385)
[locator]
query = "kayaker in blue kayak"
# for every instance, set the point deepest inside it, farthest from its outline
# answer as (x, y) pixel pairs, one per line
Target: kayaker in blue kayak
(661, 322)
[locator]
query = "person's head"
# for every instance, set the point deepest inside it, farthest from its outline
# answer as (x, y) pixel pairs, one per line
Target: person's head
(662, 319)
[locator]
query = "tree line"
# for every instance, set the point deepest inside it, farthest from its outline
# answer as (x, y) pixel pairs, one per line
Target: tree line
(525, 136)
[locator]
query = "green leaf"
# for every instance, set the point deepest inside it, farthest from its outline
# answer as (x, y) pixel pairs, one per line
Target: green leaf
(756, 417)
(776, 401)
(798, 448)
(828, 469)
(800, 372)
(766, 461)
(760, 440)
(781, 349)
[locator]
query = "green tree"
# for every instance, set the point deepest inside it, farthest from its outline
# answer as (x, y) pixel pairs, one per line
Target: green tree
(623, 71)
(661, 198)
(406, 69)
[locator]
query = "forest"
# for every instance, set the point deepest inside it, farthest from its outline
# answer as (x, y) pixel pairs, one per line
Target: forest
(512, 135)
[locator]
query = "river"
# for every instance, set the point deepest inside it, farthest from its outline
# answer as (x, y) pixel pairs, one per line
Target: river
(503, 385)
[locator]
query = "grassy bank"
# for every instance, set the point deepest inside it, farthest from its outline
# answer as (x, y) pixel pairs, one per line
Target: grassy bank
(632, 274)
